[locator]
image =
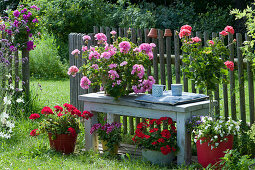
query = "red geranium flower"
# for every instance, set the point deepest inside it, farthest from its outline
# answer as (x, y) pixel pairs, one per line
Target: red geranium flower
(170, 121)
(147, 136)
(72, 131)
(86, 115)
(173, 128)
(60, 114)
(166, 134)
(165, 150)
(76, 112)
(161, 140)
(141, 125)
(58, 108)
(34, 133)
(34, 116)
(173, 149)
(46, 110)
(152, 121)
(159, 122)
(139, 133)
(154, 143)
(133, 139)
(153, 130)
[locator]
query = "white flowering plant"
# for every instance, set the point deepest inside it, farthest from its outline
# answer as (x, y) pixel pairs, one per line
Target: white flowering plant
(213, 130)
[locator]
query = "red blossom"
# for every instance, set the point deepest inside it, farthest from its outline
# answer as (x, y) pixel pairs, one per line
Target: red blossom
(184, 33)
(229, 29)
(133, 139)
(165, 150)
(173, 149)
(58, 108)
(72, 131)
(147, 136)
(188, 27)
(141, 125)
(34, 116)
(224, 33)
(173, 128)
(152, 121)
(161, 140)
(139, 133)
(60, 114)
(153, 130)
(230, 65)
(166, 134)
(86, 114)
(154, 143)
(46, 110)
(34, 133)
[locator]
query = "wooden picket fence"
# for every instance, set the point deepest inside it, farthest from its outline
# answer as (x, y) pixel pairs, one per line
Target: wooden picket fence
(166, 69)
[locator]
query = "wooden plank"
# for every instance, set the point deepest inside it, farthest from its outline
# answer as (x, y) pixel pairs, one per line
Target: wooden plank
(139, 36)
(16, 69)
(121, 33)
(162, 57)
(126, 32)
(155, 61)
(71, 62)
(133, 35)
(216, 92)
(232, 78)
(131, 125)
(125, 124)
(108, 35)
(147, 40)
(177, 58)
(241, 77)
(95, 29)
(206, 38)
(199, 34)
(169, 66)
(91, 141)
(101, 30)
(250, 85)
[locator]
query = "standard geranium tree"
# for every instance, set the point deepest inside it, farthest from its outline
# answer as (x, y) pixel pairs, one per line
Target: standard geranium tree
(208, 65)
(118, 68)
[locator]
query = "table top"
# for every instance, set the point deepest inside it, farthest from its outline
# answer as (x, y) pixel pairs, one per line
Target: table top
(101, 98)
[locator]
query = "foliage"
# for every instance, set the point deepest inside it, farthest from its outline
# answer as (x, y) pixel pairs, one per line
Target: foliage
(8, 4)
(234, 160)
(204, 65)
(248, 14)
(117, 67)
(111, 133)
(156, 139)
(61, 121)
(213, 130)
(44, 60)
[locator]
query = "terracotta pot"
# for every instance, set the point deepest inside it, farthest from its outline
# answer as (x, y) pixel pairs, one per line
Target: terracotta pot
(168, 33)
(207, 156)
(153, 33)
(105, 148)
(64, 143)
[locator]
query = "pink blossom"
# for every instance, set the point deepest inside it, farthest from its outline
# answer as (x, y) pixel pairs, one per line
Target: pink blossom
(113, 74)
(123, 63)
(101, 88)
(101, 38)
(153, 45)
(72, 71)
(85, 82)
(106, 47)
(113, 84)
(187, 27)
(112, 52)
(84, 48)
(76, 52)
(144, 85)
(184, 32)
(94, 66)
(86, 37)
(124, 46)
(211, 42)
(224, 33)
(137, 50)
(196, 39)
(145, 47)
(94, 54)
(229, 29)
(139, 69)
(118, 82)
(113, 66)
(150, 55)
(92, 48)
(230, 65)
(106, 55)
(113, 32)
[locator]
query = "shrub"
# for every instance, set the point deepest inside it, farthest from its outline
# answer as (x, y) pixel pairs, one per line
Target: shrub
(44, 60)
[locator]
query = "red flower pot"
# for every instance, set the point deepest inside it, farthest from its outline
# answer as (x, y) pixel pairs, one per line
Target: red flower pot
(64, 143)
(207, 156)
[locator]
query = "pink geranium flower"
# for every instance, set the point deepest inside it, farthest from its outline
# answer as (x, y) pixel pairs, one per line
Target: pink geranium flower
(230, 65)
(113, 66)
(86, 38)
(139, 69)
(229, 29)
(72, 71)
(211, 42)
(196, 39)
(224, 33)
(75, 52)
(124, 46)
(106, 55)
(187, 27)
(113, 74)
(184, 33)
(84, 48)
(113, 32)
(101, 38)
(85, 82)
(94, 54)
(94, 66)
(123, 63)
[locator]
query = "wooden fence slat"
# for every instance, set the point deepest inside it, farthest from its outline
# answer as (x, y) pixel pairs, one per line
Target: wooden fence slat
(199, 34)
(76, 79)
(162, 57)
(126, 32)
(79, 76)
(121, 33)
(131, 125)
(155, 61)
(241, 77)
(147, 40)
(95, 29)
(250, 85)
(232, 78)
(16, 69)
(125, 124)
(101, 30)
(71, 62)
(139, 36)
(108, 35)
(169, 62)
(177, 57)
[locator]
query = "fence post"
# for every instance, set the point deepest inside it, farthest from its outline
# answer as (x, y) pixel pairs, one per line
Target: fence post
(25, 72)
(71, 62)
(169, 62)
(161, 57)
(147, 40)
(241, 77)
(177, 57)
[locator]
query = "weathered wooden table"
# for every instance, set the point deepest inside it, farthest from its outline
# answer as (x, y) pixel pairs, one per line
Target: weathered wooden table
(127, 106)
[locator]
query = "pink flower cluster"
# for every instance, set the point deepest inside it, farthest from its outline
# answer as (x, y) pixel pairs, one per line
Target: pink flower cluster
(227, 29)
(123, 63)
(106, 55)
(124, 46)
(147, 48)
(144, 85)
(185, 31)
(139, 69)
(230, 65)
(86, 38)
(94, 54)
(85, 82)
(72, 71)
(101, 38)
(211, 42)
(113, 32)
(113, 74)
(113, 66)
(94, 66)
(75, 52)
(196, 39)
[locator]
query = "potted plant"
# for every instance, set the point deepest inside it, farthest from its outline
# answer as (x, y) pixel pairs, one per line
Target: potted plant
(158, 146)
(212, 137)
(119, 68)
(61, 125)
(207, 66)
(110, 136)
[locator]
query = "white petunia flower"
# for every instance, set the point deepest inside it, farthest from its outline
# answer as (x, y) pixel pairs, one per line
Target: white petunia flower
(7, 101)
(11, 86)
(20, 100)
(216, 144)
(215, 136)
(9, 76)
(4, 115)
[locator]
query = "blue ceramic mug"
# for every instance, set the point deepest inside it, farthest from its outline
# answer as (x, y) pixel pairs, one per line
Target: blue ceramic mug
(157, 90)
(176, 89)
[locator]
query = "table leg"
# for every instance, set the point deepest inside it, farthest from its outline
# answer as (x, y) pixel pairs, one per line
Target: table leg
(91, 141)
(112, 118)
(183, 139)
